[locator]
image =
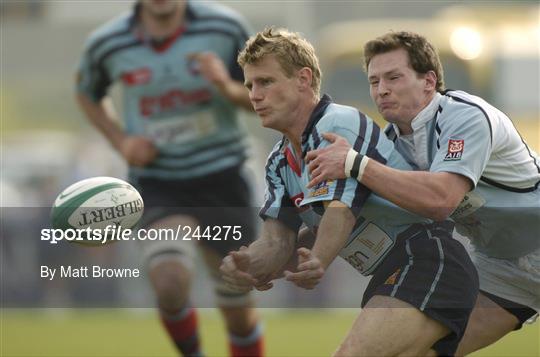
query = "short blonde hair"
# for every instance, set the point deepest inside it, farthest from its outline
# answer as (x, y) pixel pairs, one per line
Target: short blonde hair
(291, 50)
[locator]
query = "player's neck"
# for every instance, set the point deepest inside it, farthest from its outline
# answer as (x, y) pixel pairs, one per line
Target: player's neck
(298, 124)
(405, 128)
(162, 26)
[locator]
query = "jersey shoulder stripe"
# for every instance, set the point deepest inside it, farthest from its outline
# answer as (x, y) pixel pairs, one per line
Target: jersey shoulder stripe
(390, 132)
(272, 166)
(216, 14)
(118, 27)
(372, 150)
(455, 96)
(134, 43)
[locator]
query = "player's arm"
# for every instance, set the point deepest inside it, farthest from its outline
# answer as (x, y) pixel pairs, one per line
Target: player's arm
(434, 195)
(263, 260)
(215, 71)
(136, 150)
(102, 116)
(334, 229)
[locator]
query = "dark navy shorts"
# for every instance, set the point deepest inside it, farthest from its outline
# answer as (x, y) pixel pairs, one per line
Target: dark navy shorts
(216, 201)
(430, 270)
(521, 312)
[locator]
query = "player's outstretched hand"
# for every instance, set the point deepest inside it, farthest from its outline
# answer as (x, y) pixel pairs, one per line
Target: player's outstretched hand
(329, 162)
(138, 150)
(211, 67)
(234, 269)
(310, 270)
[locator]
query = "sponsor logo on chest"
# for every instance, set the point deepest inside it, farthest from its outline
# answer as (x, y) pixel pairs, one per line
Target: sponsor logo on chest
(321, 189)
(137, 76)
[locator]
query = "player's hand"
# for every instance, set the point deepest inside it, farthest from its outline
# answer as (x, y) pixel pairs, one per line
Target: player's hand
(211, 67)
(310, 270)
(329, 162)
(138, 150)
(234, 269)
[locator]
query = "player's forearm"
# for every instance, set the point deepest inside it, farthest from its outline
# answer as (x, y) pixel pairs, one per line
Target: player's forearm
(270, 253)
(236, 93)
(101, 116)
(334, 229)
(425, 193)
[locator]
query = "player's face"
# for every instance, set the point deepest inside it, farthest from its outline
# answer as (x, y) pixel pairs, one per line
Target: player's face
(274, 96)
(160, 8)
(399, 92)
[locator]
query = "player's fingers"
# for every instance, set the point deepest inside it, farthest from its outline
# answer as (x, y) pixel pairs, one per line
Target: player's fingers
(315, 180)
(312, 155)
(331, 137)
(303, 275)
(194, 56)
(226, 263)
(314, 164)
(238, 288)
(312, 264)
(241, 259)
(317, 172)
(307, 284)
(311, 284)
(304, 252)
(240, 279)
(265, 287)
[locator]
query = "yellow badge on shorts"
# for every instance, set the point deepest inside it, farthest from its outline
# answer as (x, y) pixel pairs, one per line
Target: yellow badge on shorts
(392, 278)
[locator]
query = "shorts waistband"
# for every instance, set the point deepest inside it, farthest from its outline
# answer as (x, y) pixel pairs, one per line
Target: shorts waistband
(445, 227)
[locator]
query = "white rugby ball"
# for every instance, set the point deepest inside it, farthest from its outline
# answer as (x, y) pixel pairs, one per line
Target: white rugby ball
(96, 203)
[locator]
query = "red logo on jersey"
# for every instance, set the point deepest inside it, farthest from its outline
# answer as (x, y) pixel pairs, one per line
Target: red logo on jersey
(137, 77)
(172, 100)
(455, 149)
(297, 199)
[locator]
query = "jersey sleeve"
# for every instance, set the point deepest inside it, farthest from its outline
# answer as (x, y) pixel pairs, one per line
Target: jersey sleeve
(244, 30)
(93, 79)
(366, 138)
(464, 143)
(277, 203)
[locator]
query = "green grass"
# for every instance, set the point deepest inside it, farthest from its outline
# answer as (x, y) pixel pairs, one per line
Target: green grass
(129, 333)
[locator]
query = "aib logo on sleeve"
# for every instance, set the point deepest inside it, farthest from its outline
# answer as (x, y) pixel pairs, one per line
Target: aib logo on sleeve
(455, 149)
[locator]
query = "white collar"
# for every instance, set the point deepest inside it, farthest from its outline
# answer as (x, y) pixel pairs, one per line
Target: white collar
(425, 114)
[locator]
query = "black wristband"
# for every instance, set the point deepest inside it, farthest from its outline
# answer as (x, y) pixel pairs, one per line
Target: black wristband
(356, 165)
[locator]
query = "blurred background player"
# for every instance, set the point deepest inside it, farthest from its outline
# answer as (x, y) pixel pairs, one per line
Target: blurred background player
(473, 166)
(176, 61)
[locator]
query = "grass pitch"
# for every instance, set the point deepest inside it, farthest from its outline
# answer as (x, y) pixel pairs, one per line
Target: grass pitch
(138, 333)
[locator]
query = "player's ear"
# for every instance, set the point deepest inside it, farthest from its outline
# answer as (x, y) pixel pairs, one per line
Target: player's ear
(305, 78)
(431, 81)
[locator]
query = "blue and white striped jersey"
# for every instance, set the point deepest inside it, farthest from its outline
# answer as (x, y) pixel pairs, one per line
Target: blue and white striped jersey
(289, 201)
(164, 98)
(463, 134)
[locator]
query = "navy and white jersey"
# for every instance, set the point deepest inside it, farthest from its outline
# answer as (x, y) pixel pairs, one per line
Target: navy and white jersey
(288, 200)
(165, 99)
(463, 134)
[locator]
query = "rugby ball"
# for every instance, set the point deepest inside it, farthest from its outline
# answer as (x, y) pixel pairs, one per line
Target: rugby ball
(97, 203)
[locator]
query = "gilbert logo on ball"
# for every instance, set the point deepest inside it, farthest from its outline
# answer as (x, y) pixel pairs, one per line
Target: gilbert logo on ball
(89, 206)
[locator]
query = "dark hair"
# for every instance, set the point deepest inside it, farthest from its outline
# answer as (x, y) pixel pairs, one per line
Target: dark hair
(423, 57)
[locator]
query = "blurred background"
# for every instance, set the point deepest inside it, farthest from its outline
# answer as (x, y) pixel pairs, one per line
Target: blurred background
(488, 48)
